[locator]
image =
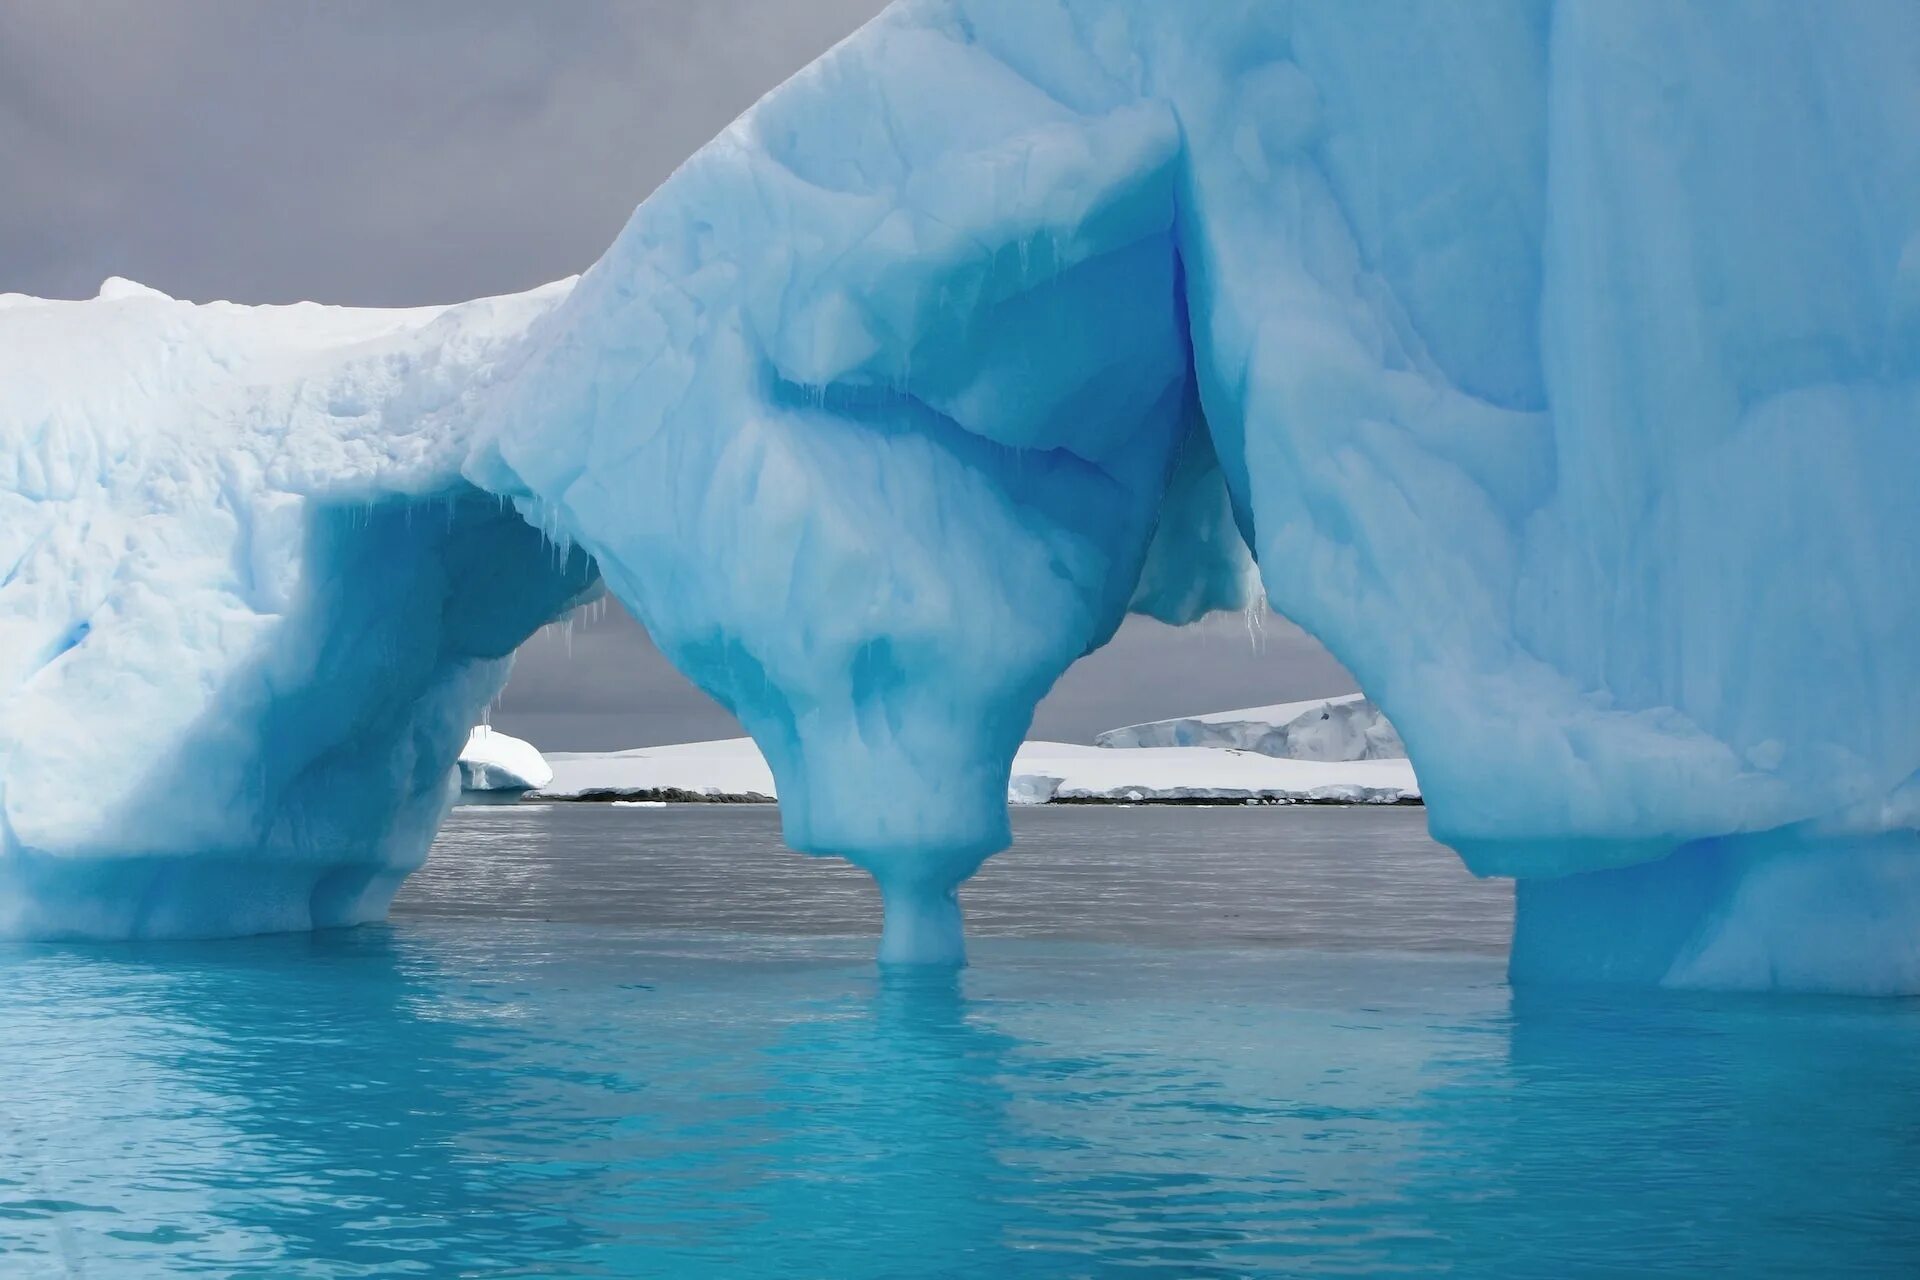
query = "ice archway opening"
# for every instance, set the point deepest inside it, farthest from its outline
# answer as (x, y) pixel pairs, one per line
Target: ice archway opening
(1559, 361)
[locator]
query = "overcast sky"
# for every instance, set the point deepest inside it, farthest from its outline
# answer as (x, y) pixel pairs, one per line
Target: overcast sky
(389, 154)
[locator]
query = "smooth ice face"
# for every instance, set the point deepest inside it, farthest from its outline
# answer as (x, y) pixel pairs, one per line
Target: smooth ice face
(1556, 361)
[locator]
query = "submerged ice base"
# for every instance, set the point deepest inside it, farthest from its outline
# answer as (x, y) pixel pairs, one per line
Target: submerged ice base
(922, 923)
(1555, 362)
(1800, 913)
(197, 896)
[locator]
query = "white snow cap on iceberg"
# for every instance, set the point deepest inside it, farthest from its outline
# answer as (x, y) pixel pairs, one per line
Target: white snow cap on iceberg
(495, 761)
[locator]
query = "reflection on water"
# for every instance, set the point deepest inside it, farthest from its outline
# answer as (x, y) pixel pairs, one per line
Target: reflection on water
(1320, 877)
(463, 1096)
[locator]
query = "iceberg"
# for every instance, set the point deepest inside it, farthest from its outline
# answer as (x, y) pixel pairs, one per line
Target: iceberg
(496, 767)
(1555, 362)
(1349, 727)
(249, 610)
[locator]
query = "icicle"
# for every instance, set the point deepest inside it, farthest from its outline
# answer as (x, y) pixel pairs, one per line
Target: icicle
(1255, 617)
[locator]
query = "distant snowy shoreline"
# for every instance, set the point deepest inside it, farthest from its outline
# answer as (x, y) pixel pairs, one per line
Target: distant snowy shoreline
(1320, 752)
(676, 795)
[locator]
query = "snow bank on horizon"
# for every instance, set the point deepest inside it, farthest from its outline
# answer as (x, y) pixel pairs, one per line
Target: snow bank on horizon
(726, 767)
(1051, 772)
(1043, 773)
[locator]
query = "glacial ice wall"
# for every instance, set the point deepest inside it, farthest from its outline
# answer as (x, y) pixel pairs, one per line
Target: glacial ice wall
(1555, 361)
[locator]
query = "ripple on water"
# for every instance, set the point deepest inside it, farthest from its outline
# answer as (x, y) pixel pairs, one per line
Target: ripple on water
(545, 1066)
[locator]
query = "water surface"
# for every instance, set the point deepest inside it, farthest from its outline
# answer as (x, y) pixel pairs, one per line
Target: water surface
(634, 1042)
(1346, 878)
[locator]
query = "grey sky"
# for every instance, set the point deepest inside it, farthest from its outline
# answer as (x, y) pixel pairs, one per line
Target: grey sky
(602, 685)
(376, 153)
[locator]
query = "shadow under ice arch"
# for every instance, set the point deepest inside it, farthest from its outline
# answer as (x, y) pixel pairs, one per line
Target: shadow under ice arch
(1559, 361)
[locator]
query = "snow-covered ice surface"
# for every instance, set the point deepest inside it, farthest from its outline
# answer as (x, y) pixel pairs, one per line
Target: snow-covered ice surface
(1558, 361)
(730, 767)
(1043, 772)
(1348, 727)
(1058, 771)
(499, 762)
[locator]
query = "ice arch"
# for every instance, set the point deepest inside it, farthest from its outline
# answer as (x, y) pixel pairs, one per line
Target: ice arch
(248, 608)
(1557, 360)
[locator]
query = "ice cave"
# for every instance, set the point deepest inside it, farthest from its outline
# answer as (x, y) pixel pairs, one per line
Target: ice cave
(1556, 363)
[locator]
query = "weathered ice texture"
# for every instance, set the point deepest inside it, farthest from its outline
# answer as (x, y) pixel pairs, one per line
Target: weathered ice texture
(248, 608)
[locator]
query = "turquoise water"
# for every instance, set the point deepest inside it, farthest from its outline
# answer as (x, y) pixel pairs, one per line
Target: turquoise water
(1156, 1066)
